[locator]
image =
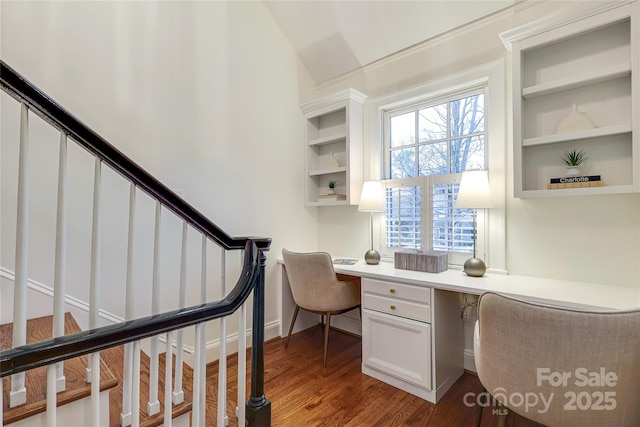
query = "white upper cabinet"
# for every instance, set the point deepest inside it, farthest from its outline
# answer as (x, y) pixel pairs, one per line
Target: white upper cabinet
(576, 86)
(334, 149)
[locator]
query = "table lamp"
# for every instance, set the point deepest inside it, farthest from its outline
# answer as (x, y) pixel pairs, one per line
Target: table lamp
(372, 200)
(474, 193)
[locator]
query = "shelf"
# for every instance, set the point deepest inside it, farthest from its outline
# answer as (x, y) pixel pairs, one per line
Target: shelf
(328, 139)
(584, 79)
(582, 134)
(589, 62)
(333, 147)
(607, 189)
(327, 171)
(328, 203)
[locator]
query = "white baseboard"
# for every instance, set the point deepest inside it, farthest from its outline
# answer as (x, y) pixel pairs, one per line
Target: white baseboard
(69, 300)
(271, 330)
(469, 361)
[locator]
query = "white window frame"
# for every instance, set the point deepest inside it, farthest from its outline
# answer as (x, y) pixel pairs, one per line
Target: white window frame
(491, 76)
(427, 183)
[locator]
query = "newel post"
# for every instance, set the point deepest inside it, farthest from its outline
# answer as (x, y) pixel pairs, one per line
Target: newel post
(258, 407)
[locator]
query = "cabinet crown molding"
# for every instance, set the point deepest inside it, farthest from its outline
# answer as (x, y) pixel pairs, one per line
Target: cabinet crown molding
(565, 16)
(333, 99)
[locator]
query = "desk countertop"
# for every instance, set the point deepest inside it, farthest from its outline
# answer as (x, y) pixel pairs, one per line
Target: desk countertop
(550, 291)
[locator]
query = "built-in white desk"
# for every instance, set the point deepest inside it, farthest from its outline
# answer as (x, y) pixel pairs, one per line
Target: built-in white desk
(558, 292)
(412, 332)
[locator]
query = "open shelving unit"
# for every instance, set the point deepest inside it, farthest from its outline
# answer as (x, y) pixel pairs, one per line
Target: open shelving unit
(589, 59)
(334, 148)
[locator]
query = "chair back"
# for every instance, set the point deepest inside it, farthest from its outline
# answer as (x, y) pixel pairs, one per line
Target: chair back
(311, 277)
(559, 366)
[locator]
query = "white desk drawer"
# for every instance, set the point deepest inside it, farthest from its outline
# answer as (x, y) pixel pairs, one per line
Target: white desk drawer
(398, 290)
(397, 347)
(398, 307)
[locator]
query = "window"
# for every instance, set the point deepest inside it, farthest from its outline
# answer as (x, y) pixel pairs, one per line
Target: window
(427, 147)
(428, 135)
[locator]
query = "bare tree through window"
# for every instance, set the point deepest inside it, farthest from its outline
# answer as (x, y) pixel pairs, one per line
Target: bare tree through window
(438, 139)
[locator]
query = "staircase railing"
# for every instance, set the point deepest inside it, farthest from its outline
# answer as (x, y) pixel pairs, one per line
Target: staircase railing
(53, 352)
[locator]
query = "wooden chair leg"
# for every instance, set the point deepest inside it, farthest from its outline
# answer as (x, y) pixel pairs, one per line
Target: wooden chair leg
(503, 415)
(327, 326)
(479, 409)
(293, 321)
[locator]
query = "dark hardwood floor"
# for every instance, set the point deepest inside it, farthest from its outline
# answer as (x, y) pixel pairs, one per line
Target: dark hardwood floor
(304, 394)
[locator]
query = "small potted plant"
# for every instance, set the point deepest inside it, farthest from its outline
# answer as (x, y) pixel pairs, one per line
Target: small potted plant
(574, 159)
(332, 186)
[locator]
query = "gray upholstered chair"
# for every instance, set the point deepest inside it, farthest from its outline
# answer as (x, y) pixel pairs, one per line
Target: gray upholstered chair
(585, 363)
(316, 288)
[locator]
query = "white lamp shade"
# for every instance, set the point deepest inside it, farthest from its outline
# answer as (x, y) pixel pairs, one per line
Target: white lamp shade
(474, 190)
(372, 197)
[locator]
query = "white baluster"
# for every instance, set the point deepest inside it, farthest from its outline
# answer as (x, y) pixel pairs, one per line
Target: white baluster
(168, 368)
(203, 373)
(94, 280)
(52, 419)
(59, 277)
(95, 389)
(242, 363)
(18, 394)
(153, 406)
(242, 357)
(127, 378)
(178, 394)
(203, 334)
(222, 419)
(135, 390)
(195, 414)
(203, 272)
(199, 363)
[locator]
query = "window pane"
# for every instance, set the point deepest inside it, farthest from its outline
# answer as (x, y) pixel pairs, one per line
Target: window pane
(452, 228)
(432, 123)
(403, 217)
(403, 129)
(403, 163)
(467, 153)
(467, 115)
(433, 159)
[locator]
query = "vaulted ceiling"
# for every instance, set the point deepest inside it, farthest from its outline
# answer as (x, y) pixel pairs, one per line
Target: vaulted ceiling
(333, 38)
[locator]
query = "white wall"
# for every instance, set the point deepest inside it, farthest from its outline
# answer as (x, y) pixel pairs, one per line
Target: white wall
(592, 239)
(204, 95)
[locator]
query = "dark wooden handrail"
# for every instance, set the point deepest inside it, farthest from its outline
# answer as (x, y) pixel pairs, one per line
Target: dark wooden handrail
(30, 356)
(25, 91)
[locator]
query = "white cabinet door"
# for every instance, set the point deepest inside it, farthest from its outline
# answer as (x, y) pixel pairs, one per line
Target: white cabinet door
(398, 347)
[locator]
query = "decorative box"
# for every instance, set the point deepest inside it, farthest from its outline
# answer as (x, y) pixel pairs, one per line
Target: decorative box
(418, 260)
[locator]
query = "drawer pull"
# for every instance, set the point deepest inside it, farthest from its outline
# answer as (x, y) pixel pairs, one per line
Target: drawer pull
(393, 307)
(392, 291)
